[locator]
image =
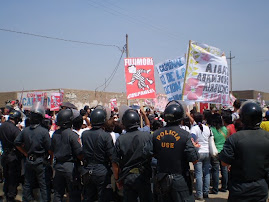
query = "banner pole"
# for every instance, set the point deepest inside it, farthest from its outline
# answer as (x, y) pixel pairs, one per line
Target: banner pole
(188, 56)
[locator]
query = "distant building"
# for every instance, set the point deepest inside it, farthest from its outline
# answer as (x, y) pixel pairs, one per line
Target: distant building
(251, 94)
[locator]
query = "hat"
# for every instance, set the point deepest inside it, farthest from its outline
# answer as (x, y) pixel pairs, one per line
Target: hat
(68, 105)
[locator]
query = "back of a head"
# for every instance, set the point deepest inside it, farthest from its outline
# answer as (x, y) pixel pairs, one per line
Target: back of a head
(227, 117)
(77, 122)
(64, 118)
(98, 117)
(198, 117)
(46, 123)
(131, 119)
(237, 104)
(250, 114)
(216, 121)
(173, 113)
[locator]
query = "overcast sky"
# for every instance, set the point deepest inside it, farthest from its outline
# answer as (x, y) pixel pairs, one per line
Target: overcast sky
(158, 29)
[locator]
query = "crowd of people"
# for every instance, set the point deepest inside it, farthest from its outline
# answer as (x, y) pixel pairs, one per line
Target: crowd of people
(95, 154)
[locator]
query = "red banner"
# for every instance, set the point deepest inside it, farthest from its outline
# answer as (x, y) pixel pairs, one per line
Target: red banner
(55, 101)
(139, 75)
(113, 104)
(203, 106)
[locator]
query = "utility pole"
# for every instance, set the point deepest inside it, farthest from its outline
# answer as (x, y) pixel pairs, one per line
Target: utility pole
(127, 55)
(231, 78)
(127, 46)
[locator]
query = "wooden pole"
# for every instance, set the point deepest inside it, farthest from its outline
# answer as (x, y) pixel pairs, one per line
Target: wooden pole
(188, 57)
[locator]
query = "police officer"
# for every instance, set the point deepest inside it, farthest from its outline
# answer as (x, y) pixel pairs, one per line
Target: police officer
(132, 160)
(248, 154)
(67, 152)
(11, 157)
(173, 149)
(97, 150)
(34, 143)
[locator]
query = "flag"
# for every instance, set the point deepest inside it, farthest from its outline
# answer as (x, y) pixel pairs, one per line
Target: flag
(207, 75)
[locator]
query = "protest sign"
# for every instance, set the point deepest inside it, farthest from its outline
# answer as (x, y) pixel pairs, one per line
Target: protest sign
(172, 73)
(55, 101)
(113, 103)
(28, 98)
(139, 75)
(207, 75)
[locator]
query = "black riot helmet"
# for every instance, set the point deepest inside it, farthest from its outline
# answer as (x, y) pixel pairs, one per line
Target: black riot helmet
(131, 119)
(38, 108)
(64, 118)
(98, 117)
(37, 113)
(15, 116)
(173, 112)
(250, 114)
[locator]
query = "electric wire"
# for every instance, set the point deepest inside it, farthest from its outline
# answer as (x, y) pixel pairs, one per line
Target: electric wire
(113, 72)
(131, 19)
(60, 39)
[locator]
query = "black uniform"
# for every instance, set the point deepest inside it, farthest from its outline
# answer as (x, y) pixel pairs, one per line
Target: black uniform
(247, 152)
(173, 150)
(65, 148)
(97, 149)
(11, 159)
(36, 141)
(133, 152)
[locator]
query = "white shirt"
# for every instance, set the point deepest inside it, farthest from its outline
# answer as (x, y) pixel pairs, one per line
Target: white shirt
(202, 137)
(80, 132)
(185, 128)
(114, 136)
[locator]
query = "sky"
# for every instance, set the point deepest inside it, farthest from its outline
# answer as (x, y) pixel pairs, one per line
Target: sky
(158, 29)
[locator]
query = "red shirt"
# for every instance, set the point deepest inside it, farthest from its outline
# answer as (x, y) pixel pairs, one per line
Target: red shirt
(231, 129)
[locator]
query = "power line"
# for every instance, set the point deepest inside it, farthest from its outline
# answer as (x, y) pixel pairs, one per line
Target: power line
(131, 19)
(60, 39)
(113, 72)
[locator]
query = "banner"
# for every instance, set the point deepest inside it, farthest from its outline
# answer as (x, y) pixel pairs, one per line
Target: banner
(55, 101)
(113, 104)
(28, 98)
(207, 75)
(139, 75)
(172, 73)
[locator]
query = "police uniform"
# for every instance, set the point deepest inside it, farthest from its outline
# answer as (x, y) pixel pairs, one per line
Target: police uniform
(133, 152)
(173, 149)
(36, 142)
(248, 154)
(65, 148)
(97, 150)
(11, 159)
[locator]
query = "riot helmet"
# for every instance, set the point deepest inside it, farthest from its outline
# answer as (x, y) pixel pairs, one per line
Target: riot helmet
(64, 118)
(250, 114)
(98, 117)
(131, 119)
(15, 116)
(38, 108)
(37, 113)
(173, 112)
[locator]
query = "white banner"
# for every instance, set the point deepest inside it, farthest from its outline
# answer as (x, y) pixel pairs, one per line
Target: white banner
(207, 75)
(28, 98)
(172, 73)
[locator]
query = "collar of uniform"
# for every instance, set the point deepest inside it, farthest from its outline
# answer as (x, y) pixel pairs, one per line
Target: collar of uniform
(34, 126)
